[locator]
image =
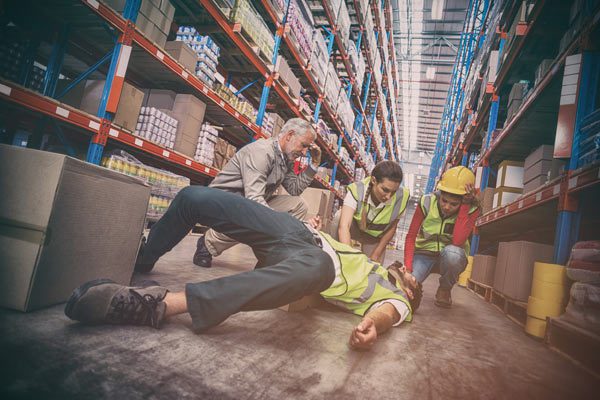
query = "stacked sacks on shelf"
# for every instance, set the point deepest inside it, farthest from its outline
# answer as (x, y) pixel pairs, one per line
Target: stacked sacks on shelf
(253, 24)
(164, 185)
(344, 110)
(341, 19)
(207, 51)
(156, 126)
(332, 86)
(583, 308)
(319, 58)
(357, 62)
(205, 150)
(238, 102)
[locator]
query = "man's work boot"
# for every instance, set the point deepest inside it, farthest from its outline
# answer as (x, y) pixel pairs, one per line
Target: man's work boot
(443, 298)
(202, 257)
(140, 265)
(103, 301)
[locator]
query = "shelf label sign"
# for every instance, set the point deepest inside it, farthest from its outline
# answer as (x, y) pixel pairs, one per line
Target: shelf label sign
(139, 142)
(188, 162)
(62, 112)
(94, 125)
(113, 132)
(93, 3)
(5, 90)
(166, 153)
(567, 111)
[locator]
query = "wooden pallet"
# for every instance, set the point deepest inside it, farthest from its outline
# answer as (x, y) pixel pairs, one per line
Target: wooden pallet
(515, 310)
(578, 345)
(481, 290)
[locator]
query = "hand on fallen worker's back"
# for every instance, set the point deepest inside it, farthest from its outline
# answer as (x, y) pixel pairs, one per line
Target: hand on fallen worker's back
(315, 222)
(364, 335)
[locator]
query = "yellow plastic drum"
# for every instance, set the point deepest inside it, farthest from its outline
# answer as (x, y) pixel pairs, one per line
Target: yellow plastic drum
(541, 309)
(551, 273)
(553, 292)
(535, 327)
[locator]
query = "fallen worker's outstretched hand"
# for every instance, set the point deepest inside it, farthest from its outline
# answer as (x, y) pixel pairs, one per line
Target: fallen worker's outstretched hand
(364, 335)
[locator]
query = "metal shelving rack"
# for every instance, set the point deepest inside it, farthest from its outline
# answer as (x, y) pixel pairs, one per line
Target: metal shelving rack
(569, 197)
(132, 46)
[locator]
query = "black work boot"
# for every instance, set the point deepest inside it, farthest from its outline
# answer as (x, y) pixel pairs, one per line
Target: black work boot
(140, 264)
(103, 301)
(202, 257)
(443, 297)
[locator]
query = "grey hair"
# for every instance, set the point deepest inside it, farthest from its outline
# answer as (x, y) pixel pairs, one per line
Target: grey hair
(299, 126)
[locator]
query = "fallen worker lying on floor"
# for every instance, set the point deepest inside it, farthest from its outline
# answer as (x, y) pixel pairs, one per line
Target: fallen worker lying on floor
(298, 261)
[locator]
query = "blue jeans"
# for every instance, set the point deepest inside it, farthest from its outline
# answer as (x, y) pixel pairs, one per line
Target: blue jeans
(292, 265)
(451, 262)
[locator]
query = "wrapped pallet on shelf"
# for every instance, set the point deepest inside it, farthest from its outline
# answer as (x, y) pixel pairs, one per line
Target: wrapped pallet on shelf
(207, 139)
(254, 26)
(164, 185)
(343, 25)
(332, 86)
(157, 126)
(206, 50)
(319, 59)
(301, 29)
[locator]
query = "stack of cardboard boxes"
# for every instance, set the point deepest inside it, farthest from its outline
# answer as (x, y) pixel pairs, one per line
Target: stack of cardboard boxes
(223, 153)
(319, 58)
(87, 98)
(514, 267)
(320, 202)
(509, 184)
(185, 108)
(183, 53)
(537, 167)
(206, 53)
(154, 18)
(515, 98)
(484, 268)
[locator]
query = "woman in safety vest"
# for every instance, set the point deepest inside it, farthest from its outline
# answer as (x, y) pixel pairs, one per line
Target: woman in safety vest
(438, 237)
(371, 210)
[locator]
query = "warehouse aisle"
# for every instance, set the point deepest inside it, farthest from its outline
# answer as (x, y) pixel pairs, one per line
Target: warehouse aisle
(470, 351)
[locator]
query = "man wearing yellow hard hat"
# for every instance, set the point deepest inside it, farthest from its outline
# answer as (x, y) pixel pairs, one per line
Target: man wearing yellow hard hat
(438, 237)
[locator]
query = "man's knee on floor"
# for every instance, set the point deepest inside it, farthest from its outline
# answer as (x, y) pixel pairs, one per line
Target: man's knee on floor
(454, 255)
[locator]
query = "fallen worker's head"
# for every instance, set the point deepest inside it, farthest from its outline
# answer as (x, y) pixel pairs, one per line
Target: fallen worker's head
(408, 283)
(296, 137)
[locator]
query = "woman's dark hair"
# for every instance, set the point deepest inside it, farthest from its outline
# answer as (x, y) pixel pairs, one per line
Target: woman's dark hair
(387, 169)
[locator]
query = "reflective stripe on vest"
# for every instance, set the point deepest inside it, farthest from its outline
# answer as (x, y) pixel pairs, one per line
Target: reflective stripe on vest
(363, 282)
(386, 216)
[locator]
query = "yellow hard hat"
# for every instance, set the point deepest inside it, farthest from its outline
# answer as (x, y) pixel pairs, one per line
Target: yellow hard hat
(455, 179)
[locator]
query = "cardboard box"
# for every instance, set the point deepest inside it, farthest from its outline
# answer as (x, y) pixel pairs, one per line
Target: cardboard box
(484, 268)
(318, 201)
(510, 175)
(500, 270)
(487, 203)
(129, 106)
(159, 98)
(516, 259)
(70, 224)
(541, 70)
(182, 53)
(504, 196)
(541, 168)
(535, 183)
(544, 152)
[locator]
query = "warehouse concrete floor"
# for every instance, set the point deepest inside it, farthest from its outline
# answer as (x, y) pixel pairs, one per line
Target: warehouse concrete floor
(468, 352)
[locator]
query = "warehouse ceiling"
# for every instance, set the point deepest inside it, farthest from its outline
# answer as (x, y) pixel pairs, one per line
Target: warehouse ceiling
(427, 36)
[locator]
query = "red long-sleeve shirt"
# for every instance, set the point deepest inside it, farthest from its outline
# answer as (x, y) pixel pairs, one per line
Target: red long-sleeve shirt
(462, 230)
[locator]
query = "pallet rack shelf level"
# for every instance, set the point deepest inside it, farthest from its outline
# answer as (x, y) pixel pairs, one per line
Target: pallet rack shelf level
(95, 125)
(118, 22)
(233, 32)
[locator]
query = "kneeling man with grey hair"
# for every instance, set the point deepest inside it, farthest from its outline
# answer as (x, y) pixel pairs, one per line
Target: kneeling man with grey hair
(255, 172)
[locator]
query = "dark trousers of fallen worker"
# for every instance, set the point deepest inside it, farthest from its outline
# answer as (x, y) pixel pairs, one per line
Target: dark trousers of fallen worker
(292, 265)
